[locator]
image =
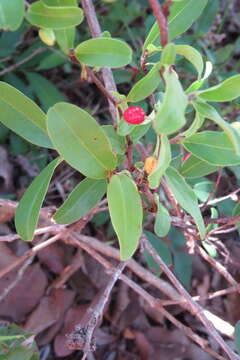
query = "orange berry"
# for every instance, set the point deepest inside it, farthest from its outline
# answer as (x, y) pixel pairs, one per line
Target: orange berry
(150, 164)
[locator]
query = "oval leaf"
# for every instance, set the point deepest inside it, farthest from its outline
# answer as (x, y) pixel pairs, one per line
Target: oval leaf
(186, 197)
(27, 212)
(162, 223)
(164, 160)
(211, 113)
(104, 52)
(168, 55)
(80, 140)
(170, 116)
(213, 147)
(146, 86)
(194, 167)
(193, 56)
(11, 14)
(81, 200)
(179, 19)
(54, 17)
(228, 90)
(65, 39)
(23, 116)
(118, 142)
(126, 213)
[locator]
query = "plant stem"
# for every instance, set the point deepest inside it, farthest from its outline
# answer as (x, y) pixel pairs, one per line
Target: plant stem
(96, 31)
(193, 306)
(161, 20)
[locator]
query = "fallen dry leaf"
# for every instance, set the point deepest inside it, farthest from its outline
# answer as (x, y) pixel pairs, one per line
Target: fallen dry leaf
(26, 294)
(50, 310)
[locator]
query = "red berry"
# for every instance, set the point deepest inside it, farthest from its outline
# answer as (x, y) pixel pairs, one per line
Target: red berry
(134, 115)
(186, 156)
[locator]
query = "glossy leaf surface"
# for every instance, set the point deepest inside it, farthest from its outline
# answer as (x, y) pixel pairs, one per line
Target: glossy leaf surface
(118, 142)
(54, 17)
(23, 116)
(193, 56)
(170, 116)
(81, 200)
(27, 212)
(162, 221)
(211, 113)
(186, 197)
(145, 86)
(228, 90)
(213, 147)
(126, 213)
(80, 140)
(11, 14)
(104, 52)
(164, 160)
(195, 167)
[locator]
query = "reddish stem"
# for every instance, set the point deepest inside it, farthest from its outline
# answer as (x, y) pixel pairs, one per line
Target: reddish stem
(161, 20)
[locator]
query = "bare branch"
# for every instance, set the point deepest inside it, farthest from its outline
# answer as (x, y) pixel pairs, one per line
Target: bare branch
(95, 30)
(195, 308)
(17, 65)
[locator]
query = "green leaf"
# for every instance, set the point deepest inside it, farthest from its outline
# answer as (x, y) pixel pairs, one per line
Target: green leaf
(118, 142)
(162, 223)
(61, 2)
(237, 336)
(164, 160)
(194, 167)
(80, 140)
(196, 124)
(210, 249)
(198, 83)
(179, 19)
(11, 14)
(208, 17)
(126, 213)
(81, 200)
(50, 61)
(212, 147)
(65, 39)
(203, 189)
(145, 86)
(168, 56)
(27, 212)
(161, 249)
(104, 52)
(193, 56)
(182, 261)
(139, 131)
(184, 194)
(54, 17)
(46, 92)
(170, 116)
(211, 113)
(228, 90)
(23, 116)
